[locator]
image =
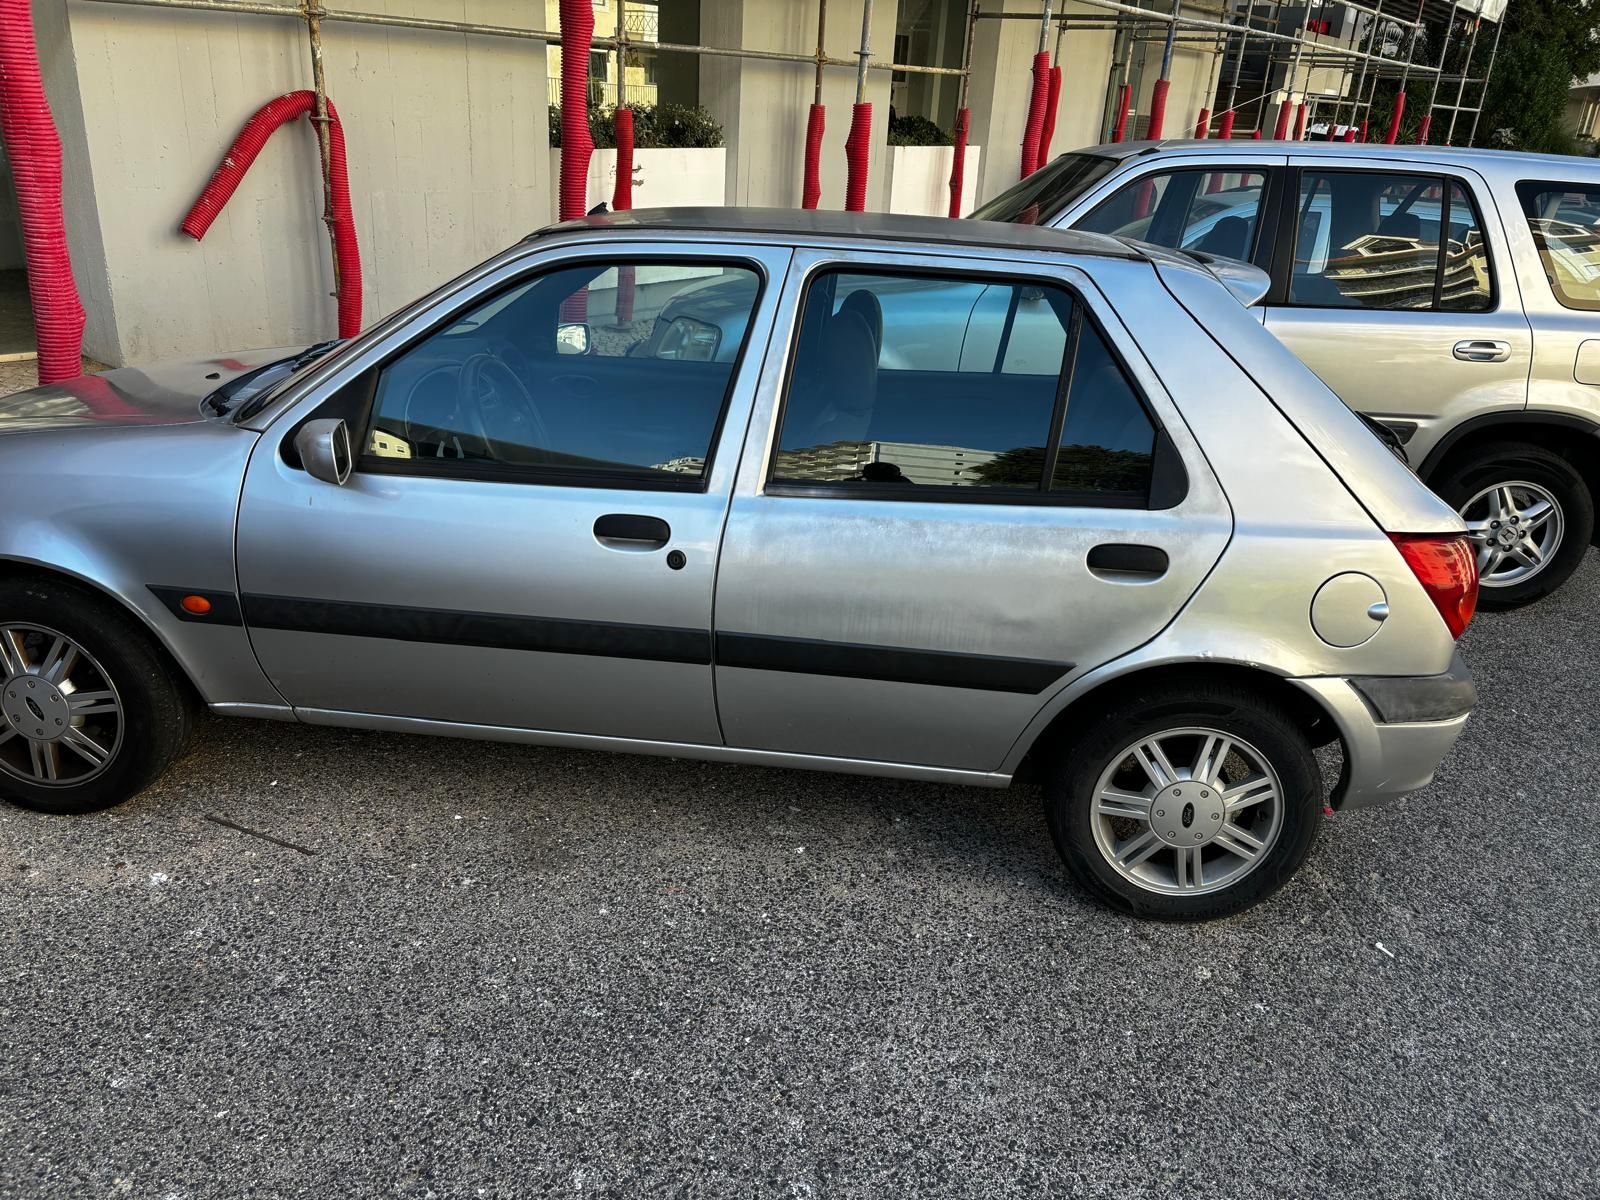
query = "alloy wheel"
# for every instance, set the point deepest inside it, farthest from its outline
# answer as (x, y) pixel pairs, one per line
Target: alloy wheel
(61, 720)
(1516, 529)
(1187, 811)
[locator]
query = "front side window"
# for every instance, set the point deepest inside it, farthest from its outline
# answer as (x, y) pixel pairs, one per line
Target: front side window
(1564, 219)
(920, 387)
(605, 368)
(1368, 239)
(1214, 212)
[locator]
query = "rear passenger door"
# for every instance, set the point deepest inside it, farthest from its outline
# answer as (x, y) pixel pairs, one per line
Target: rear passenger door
(962, 487)
(1420, 330)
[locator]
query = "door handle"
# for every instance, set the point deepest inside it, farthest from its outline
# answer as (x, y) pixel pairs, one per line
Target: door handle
(631, 531)
(1120, 559)
(1482, 351)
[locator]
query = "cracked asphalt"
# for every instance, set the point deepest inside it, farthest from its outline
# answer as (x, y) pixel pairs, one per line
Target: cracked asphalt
(502, 971)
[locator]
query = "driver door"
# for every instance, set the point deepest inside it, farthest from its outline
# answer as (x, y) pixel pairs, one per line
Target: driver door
(529, 539)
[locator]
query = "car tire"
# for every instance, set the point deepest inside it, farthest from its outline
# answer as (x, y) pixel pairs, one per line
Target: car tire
(1465, 485)
(115, 688)
(1249, 843)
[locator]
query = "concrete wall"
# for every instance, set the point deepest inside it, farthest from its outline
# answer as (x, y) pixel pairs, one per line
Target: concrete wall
(448, 144)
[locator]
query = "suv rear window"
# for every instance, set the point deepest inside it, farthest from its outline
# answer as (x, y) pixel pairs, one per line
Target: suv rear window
(1039, 197)
(1564, 219)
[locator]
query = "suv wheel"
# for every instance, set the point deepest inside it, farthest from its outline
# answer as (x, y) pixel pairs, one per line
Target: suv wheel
(1530, 515)
(89, 710)
(1186, 802)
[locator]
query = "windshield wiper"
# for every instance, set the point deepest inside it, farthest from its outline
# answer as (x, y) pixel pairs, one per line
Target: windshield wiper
(223, 400)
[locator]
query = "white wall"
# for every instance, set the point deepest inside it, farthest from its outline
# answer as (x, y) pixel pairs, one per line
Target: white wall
(448, 148)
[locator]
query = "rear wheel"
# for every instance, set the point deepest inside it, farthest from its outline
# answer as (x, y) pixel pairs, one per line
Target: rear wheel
(1186, 802)
(1530, 516)
(89, 710)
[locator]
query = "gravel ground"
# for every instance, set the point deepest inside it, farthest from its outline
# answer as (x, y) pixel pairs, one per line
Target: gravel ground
(501, 971)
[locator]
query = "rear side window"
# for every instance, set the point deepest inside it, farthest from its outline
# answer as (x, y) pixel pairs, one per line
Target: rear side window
(947, 387)
(1039, 197)
(1216, 212)
(1379, 240)
(1564, 219)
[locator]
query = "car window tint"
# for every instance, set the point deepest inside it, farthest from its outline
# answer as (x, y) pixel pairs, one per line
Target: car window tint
(610, 368)
(1565, 222)
(1215, 212)
(1108, 440)
(1467, 283)
(1375, 242)
(918, 381)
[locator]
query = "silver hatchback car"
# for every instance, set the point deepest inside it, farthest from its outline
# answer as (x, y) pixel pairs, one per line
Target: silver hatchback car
(894, 496)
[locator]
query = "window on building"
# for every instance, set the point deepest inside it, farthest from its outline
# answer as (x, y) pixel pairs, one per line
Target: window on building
(1369, 239)
(1565, 222)
(911, 385)
(1215, 212)
(608, 369)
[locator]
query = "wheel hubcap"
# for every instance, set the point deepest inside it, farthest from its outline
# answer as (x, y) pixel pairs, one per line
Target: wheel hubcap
(61, 720)
(1516, 529)
(1187, 811)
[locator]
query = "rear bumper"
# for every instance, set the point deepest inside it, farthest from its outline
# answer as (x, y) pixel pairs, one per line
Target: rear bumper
(1396, 730)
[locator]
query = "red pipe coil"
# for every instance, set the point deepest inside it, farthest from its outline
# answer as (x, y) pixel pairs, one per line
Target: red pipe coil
(34, 148)
(1225, 129)
(958, 161)
(1393, 135)
(577, 35)
(856, 148)
(622, 201)
(1427, 126)
(1299, 122)
(1362, 136)
(1051, 103)
(1281, 132)
(244, 151)
(1350, 134)
(1158, 109)
(811, 191)
(1124, 102)
(1257, 134)
(1202, 126)
(1034, 129)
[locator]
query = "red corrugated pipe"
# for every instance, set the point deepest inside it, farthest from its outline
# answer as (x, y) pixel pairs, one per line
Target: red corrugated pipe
(1124, 103)
(1427, 127)
(1362, 136)
(225, 181)
(856, 148)
(577, 35)
(1034, 129)
(1393, 135)
(1350, 134)
(1051, 102)
(1158, 108)
(1202, 126)
(1257, 134)
(1225, 129)
(958, 161)
(811, 192)
(621, 201)
(1300, 122)
(34, 149)
(1281, 132)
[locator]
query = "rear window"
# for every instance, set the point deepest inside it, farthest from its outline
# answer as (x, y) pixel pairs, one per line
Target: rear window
(1564, 219)
(1041, 196)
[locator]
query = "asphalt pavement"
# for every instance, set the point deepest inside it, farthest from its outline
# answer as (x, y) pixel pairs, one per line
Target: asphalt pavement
(481, 970)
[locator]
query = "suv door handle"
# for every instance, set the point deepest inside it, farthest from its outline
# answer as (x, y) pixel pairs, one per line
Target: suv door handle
(1482, 351)
(1119, 559)
(631, 531)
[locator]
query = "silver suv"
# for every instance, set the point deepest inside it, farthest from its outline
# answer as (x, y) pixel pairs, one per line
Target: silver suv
(1453, 295)
(893, 496)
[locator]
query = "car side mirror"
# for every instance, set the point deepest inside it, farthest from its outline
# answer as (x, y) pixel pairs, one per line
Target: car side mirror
(573, 338)
(324, 448)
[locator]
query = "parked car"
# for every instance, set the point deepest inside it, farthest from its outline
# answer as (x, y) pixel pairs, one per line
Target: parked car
(942, 501)
(1480, 348)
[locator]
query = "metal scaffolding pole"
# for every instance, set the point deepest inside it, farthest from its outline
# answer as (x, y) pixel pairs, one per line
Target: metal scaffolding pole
(1433, 96)
(312, 11)
(1461, 84)
(1488, 74)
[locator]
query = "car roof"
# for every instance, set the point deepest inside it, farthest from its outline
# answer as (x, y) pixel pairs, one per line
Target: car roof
(794, 225)
(1535, 165)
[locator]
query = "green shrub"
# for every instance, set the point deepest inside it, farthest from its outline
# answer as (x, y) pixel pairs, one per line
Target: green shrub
(915, 131)
(655, 127)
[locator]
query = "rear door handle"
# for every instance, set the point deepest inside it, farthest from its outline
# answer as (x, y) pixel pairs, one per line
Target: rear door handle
(1482, 351)
(1120, 559)
(631, 531)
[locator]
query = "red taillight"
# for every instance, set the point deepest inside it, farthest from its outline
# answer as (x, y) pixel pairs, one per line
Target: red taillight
(1447, 568)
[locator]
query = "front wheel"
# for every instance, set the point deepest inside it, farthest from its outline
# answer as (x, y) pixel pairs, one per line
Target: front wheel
(1186, 803)
(1530, 516)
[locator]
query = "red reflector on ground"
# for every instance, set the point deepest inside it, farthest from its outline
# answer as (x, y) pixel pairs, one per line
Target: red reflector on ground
(197, 605)
(1447, 568)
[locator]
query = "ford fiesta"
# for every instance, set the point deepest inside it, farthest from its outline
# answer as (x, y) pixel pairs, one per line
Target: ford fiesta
(884, 495)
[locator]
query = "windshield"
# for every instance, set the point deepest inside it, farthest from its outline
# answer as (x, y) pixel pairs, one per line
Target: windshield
(1042, 195)
(245, 395)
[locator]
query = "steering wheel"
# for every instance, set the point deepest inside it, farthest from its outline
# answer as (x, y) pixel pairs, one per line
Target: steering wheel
(500, 403)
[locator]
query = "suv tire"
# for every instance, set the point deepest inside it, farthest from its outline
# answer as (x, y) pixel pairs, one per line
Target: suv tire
(107, 710)
(1470, 484)
(1253, 813)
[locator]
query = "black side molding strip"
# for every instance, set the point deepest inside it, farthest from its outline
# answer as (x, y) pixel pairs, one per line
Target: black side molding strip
(939, 668)
(498, 631)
